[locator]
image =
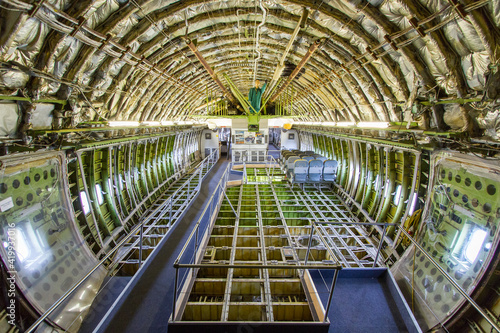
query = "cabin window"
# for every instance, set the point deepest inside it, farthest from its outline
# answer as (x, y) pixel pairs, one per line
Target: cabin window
(98, 190)
(397, 196)
(474, 244)
(26, 242)
(120, 182)
(377, 184)
(413, 204)
(85, 202)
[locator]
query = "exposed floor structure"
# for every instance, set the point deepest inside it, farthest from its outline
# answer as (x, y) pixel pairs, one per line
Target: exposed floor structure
(268, 222)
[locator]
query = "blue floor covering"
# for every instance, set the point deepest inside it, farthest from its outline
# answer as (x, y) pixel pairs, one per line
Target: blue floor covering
(148, 304)
(273, 151)
(359, 304)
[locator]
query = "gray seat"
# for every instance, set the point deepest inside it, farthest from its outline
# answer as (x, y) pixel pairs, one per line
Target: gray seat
(290, 160)
(310, 152)
(286, 155)
(308, 158)
(290, 165)
(330, 170)
(315, 170)
(300, 171)
(321, 158)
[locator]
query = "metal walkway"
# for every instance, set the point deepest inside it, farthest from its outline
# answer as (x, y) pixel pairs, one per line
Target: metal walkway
(162, 215)
(147, 303)
(318, 205)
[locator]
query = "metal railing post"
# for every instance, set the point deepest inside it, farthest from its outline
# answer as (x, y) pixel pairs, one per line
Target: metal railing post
(380, 246)
(170, 213)
(195, 248)
(274, 163)
(201, 173)
(310, 243)
(221, 190)
(196, 237)
(334, 281)
(140, 244)
(175, 293)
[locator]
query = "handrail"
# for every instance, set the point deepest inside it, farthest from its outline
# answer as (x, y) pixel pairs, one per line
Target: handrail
(63, 298)
(267, 161)
(196, 226)
(177, 265)
(194, 232)
(429, 257)
(170, 200)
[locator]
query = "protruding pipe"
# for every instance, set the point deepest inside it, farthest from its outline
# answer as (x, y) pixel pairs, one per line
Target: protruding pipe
(300, 25)
(210, 71)
(299, 67)
(257, 42)
(281, 64)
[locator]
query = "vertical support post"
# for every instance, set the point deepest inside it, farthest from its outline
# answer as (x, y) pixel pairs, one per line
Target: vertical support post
(201, 173)
(310, 243)
(175, 293)
(170, 213)
(334, 281)
(195, 249)
(380, 245)
(140, 244)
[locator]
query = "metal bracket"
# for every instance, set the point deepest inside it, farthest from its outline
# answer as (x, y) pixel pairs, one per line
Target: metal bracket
(230, 204)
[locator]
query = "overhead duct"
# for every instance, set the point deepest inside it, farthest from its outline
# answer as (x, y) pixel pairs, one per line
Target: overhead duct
(281, 64)
(297, 70)
(210, 71)
(257, 44)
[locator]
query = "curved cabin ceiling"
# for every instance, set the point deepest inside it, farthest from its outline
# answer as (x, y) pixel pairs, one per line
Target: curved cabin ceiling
(377, 60)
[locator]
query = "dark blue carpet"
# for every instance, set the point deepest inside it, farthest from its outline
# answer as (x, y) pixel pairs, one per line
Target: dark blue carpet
(148, 304)
(361, 303)
(236, 175)
(273, 151)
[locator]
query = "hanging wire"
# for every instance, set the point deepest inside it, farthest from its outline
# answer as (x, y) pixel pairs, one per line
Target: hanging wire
(155, 25)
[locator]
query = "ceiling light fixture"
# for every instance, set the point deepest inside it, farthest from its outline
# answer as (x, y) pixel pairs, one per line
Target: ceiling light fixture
(123, 123)
(373, 124)
(151, 123)
(346, 123)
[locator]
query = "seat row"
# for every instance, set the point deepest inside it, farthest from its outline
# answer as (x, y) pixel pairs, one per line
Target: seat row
(288, 153)
(316, 170)
(307, 166)
(297, 154)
